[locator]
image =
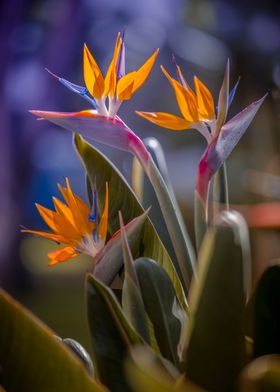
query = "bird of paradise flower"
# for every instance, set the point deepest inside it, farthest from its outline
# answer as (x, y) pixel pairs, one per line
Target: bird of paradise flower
(199, 112)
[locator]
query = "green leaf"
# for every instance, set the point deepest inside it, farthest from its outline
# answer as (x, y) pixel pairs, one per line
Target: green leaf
(216, 335)
(175, 224)
(122, 198)
(162, 308)
(262, 374)
(132, 301)
(111, 333)
(145, 192)
(150, 373)
(267, 313)
(32, 359)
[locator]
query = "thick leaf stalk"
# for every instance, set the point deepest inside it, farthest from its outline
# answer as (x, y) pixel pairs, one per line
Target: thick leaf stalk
(170, 210)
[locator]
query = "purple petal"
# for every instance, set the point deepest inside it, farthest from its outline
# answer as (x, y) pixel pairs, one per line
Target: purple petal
(111, 131)
(120, 71)
(222, 145)
(107, 130)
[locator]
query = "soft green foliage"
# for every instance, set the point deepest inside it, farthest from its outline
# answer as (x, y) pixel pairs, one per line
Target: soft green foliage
(162, 307)
(217, 300)
(32, 359)
(111, 333)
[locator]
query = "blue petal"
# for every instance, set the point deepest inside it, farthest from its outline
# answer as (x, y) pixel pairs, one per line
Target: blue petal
(81, 90)
(232, 92)
(94, 214)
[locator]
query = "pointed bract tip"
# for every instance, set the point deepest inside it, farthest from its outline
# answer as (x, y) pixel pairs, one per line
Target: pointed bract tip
(122, 33)
(121, 220)
(51, 73)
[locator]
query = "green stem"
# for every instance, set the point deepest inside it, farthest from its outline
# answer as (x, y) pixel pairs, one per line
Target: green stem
(174, 221)
(220, 190)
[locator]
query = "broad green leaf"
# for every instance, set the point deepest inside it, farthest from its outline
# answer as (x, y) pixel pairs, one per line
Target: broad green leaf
(147, 372)
(132, 301)
(122, 198)
(267, 313)
(162, 308)
(112, 335)
(216, 334)
(32, 359)
(261, 375)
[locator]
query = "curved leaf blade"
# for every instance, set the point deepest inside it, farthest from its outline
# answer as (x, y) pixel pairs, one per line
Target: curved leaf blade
(161, 306)
(32, 359)
(216, 334)
(111, 333)
(123, 199)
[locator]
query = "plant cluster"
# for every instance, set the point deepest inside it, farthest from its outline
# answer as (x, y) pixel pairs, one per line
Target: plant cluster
(176, 323)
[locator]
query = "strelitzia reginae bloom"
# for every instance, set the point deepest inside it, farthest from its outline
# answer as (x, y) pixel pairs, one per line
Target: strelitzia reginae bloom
(106, 95)
(199, 112)
(74, 224)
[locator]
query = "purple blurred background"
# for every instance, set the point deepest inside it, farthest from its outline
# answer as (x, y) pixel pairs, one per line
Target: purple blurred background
(35, 155)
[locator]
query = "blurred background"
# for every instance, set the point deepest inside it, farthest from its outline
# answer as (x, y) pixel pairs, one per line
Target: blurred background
(35, 155)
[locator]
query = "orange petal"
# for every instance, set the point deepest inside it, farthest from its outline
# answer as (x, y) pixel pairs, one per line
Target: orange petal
(143, 72)
(125, 86)
(63, 210)
(58, 224)
(185, 98)
(51, 236)
(103, 224)
(61, 255)
(111, 77)
(81, 220)
(184, 80)
(204, 100)
(92, 75)
(166, 120)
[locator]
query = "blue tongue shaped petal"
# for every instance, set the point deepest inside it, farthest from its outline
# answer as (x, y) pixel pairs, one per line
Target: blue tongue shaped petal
(80, 90)
(94, 214)
(230, 96)
(232, 92)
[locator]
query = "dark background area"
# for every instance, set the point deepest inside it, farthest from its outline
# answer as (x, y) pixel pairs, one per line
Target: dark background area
(34, 155)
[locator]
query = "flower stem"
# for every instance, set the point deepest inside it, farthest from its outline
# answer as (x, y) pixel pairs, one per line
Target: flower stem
(170, 210)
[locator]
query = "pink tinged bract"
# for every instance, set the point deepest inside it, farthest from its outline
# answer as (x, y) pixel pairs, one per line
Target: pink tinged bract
(222, 145)
(111, 131)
